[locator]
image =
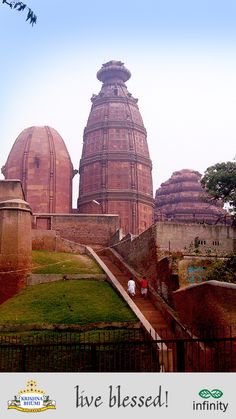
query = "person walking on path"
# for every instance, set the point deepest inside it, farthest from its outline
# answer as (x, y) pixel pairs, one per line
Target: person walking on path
(144, 286)
(131, 287)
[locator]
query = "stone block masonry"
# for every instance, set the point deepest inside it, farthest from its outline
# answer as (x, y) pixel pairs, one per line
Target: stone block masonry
(15, 239)
(85, 229)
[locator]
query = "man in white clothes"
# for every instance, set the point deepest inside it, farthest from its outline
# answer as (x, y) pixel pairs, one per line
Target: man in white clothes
(131, 287)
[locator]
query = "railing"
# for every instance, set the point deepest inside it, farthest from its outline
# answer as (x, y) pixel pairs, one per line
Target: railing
(104, 352)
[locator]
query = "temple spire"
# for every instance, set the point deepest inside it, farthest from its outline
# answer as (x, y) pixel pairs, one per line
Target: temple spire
(115, 168)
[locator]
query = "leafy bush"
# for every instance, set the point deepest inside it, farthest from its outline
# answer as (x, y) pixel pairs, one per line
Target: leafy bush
(223, 270)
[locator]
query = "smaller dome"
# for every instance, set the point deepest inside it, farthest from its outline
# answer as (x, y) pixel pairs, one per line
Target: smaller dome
(182, 199)
(39, 158)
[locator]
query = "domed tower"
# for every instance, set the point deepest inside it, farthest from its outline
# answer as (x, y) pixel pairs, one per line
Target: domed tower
(115, 168)
(39, 158)
(182, 199)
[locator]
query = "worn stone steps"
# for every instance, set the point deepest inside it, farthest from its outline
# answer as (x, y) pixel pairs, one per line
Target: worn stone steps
(145, 305)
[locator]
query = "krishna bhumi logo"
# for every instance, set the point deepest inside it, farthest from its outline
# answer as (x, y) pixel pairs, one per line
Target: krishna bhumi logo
(31, 399)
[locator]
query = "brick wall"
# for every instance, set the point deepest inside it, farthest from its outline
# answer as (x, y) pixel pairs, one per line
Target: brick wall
(207, 305)
(79, 228)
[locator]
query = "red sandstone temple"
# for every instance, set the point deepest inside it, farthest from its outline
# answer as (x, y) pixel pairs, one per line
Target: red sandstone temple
(181, 199)
(39, 158)
(115, 168)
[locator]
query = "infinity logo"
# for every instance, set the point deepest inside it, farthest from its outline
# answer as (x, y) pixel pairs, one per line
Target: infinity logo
(206, 394)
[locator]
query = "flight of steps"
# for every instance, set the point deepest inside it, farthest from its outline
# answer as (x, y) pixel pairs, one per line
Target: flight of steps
(153, 315)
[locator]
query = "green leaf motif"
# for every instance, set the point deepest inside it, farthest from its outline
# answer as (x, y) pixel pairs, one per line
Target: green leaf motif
(216, 393)
(206, 394)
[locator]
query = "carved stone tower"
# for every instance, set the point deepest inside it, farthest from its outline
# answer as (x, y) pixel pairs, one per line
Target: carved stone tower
(115, 168)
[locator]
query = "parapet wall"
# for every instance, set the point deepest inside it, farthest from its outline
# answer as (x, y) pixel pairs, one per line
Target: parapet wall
(79, 228)
(211, 304)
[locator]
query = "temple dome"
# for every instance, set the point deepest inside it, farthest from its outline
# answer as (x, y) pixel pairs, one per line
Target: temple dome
(39, 158)
(183, 199)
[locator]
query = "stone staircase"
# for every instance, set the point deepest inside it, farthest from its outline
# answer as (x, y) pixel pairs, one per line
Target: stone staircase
(177, 349)
(153, 315)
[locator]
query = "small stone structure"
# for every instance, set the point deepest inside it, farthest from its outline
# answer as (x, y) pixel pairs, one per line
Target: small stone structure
(15, 238)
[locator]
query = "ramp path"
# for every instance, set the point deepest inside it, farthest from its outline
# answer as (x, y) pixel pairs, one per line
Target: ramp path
(148, 313)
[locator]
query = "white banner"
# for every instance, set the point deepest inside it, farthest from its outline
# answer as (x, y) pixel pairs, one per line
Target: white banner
(118, 395)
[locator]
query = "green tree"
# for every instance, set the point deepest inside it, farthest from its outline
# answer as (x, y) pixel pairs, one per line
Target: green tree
(219, 181)
(223, 270)
(20, 7)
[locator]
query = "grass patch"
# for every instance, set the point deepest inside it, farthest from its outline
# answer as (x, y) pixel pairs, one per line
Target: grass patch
(66, 302)
(63, 263)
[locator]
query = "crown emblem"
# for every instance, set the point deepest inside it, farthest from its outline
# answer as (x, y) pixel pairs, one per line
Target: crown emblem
(31, 387)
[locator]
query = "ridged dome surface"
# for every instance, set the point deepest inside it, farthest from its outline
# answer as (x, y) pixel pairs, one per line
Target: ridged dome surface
(39, 158)
(182, 199)
(115, 168)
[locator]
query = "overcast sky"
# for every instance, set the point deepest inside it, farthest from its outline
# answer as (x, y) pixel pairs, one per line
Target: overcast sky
(182, 56)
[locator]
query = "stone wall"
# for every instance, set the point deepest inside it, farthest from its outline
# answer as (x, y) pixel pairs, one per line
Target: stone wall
(174, 255)
(79, 228)
(165, 239)
(208, 305)
(48, 240)
(44, 240)
(140, 252)
(198, 239)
